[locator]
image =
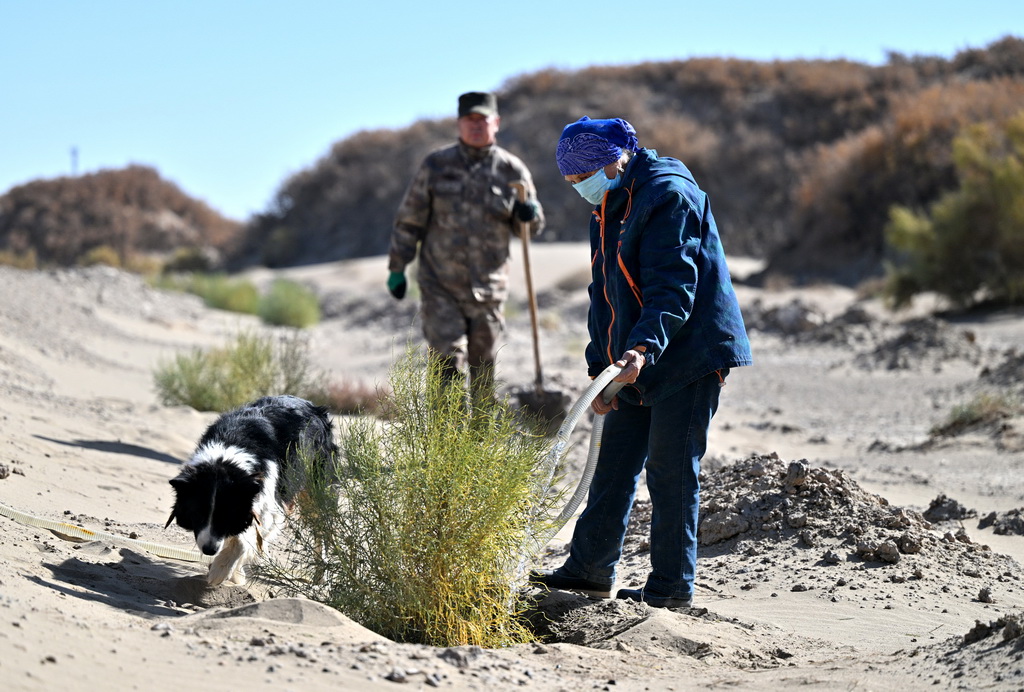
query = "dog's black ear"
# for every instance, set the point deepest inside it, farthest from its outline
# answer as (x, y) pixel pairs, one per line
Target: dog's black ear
(179, 481)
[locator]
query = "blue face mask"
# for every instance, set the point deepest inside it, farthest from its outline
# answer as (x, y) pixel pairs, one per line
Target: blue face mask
(593, 188)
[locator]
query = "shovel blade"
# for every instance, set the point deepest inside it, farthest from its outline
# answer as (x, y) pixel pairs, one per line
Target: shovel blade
(546, 408)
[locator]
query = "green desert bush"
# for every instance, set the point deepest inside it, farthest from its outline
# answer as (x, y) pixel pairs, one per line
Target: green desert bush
(223, 293)
(286, 303)
(289, 304)
(419, 532)
(252, 366)
(217, 290)
(969, 246)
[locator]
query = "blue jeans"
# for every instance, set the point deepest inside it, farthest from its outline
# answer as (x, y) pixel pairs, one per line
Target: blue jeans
(670, 439)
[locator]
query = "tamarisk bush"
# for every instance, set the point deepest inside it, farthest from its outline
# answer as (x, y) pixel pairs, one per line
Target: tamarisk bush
(417, 532)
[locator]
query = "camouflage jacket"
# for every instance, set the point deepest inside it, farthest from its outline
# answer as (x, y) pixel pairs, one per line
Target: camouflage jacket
(458, 212)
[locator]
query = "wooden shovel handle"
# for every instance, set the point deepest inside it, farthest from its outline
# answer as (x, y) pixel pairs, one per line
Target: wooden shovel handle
(524, 236)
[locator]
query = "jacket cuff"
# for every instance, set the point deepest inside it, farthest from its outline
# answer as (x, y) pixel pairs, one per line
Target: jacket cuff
(648, 352)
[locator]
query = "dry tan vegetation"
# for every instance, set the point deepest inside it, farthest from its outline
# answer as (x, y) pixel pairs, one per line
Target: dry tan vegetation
(802, 159)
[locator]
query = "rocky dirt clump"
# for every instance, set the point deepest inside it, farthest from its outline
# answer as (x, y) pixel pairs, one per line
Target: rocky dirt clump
(922, 344)
(944, 508)
(765, 497)
(1009, 523)
(843, 542)
(1007, 374)
(989, 655)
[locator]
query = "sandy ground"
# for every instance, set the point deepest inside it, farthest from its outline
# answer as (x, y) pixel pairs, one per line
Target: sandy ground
(843, 544)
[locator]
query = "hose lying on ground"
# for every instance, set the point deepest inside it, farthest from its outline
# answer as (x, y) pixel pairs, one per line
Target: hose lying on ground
(72, 532)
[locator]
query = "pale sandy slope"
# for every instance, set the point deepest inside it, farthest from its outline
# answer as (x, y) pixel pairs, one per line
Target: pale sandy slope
(84, 440)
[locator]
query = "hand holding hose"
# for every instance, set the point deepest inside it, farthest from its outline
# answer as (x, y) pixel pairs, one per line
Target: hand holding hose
(631, 362)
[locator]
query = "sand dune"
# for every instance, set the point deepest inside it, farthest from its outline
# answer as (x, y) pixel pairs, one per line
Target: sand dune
(819, 568)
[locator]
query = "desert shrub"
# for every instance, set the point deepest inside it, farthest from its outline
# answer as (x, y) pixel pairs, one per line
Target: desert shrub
(984, 409)
(136, 263)
(143, 264)
(280, 247)
(217, 290)
(252, 366)
(421, 538)
(969, 245)
(189, 259)
(223, 293)
(19, 260)
(132, 210)
(100, 255)
(289, 304)
(846, 188)
(352, 398)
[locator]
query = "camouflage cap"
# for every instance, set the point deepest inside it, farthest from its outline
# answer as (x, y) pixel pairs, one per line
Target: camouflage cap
(480, 102)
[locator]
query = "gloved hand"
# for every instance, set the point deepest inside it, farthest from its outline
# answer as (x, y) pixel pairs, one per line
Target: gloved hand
(524, 211)
(397, 284)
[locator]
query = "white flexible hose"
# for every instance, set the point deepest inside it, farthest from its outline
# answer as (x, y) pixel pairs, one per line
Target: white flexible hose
(65, 530)
(601, 385)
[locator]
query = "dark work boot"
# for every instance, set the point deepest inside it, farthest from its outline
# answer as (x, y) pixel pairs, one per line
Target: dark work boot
(558, 579)
(654, 600)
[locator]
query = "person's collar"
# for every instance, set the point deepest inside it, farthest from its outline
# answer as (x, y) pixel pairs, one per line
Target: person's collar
(475, 153)
(621, 194)
(632, 169)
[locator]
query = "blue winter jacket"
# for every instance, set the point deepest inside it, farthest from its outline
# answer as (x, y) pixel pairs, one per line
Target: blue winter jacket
(660, 281)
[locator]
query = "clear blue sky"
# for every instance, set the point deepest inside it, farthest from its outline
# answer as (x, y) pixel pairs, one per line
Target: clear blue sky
(227, 98)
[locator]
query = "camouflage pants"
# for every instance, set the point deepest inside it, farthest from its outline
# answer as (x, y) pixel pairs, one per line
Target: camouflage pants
(465, 333)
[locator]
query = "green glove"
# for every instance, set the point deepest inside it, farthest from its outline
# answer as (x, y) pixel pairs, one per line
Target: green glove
(397, 284)
(524, 211)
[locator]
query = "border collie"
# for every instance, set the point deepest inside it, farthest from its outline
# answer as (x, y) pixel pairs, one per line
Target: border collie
(233, 492)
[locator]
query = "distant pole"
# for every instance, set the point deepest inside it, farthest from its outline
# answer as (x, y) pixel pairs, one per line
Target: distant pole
(74, 161)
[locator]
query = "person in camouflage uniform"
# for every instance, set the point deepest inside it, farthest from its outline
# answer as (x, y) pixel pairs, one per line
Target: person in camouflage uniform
(458, 214)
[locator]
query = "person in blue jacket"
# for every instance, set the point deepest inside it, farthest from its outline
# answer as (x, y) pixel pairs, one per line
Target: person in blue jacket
(662, 307)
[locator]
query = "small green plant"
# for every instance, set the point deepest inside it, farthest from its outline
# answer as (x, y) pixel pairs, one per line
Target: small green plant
(217, 290)
(224, 378)
(419, 532)
(289, 304)
(223, 293)
(983, 409)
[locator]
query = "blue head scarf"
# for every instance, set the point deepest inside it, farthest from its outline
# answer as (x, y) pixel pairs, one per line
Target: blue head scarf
(587, 145)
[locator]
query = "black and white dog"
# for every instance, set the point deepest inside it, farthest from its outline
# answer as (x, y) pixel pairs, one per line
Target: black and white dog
(233, 492)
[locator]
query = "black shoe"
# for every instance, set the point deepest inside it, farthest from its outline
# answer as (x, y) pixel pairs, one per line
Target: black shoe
(652, 600)
(557, 579)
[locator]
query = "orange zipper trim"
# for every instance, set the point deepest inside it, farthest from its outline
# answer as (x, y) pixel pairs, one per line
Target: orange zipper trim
(629, 279)
(604, 273)
(618, 255)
